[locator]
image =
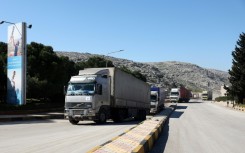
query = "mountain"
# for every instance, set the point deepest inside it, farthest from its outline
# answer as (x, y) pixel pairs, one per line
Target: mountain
(193, 76)
(167, 74)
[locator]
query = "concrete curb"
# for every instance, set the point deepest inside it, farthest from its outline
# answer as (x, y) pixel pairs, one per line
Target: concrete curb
(239, 108)
(139, 139)
(147, 144)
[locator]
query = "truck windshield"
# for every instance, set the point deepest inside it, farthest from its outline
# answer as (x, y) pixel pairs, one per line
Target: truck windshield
(174, 93)
(153, 98)
(81, 89)
(204, 94)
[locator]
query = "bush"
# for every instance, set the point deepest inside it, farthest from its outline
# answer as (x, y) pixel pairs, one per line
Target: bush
(223, 98)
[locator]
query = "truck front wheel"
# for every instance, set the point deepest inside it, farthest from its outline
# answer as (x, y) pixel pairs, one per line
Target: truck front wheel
(101, 117)
(73, 121)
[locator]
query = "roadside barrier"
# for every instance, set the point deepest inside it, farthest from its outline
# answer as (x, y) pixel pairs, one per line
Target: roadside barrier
(239, 108)
(139, 139)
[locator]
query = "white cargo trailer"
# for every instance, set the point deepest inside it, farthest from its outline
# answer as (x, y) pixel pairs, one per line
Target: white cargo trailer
(99, 94)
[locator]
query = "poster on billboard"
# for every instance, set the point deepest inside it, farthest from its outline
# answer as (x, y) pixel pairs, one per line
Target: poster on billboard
(16, 69)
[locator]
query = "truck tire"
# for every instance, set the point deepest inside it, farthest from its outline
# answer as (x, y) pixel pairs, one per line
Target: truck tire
(73, 121)
(143, 115)
(118, 116)
(101, 117)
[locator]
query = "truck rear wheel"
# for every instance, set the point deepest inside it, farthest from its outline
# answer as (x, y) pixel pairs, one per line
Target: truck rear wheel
(141, 115)
(119, 115)
(73, 121)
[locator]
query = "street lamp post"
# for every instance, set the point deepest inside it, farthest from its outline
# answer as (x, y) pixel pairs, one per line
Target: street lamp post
(112, 53)
(29, 26)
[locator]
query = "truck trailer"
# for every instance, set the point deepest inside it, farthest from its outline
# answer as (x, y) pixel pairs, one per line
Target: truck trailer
(157, 99)
(99, 94)
(180, 94)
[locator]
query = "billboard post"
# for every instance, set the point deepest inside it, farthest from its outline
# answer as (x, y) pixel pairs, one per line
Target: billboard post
(16, 68)
(16, 63)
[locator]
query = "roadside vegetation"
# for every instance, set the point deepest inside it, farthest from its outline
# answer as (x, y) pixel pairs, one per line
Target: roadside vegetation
(237, 72)
(223, 98)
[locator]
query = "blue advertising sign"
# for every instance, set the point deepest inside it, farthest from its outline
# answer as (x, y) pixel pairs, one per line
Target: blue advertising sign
(16, 82)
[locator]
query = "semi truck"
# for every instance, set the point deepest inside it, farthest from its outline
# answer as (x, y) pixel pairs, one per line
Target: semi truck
(157, 99)
(99, 94)
(180, 94)
(207, 95)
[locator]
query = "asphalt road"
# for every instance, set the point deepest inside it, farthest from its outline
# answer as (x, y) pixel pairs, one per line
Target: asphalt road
(202, 127)
(57, 136)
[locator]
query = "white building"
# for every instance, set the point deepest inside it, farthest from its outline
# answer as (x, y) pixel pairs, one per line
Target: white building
(223, 91)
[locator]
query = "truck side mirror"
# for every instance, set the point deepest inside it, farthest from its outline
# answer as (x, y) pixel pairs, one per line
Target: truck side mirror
(98, 89)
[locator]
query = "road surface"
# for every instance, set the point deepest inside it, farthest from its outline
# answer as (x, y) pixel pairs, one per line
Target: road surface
(57, 136)
(202, 127)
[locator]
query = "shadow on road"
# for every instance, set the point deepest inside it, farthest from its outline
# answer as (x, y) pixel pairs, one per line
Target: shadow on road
(176, 114)
(181, 107)
(19, 121)
(109, 122)
(195, 102)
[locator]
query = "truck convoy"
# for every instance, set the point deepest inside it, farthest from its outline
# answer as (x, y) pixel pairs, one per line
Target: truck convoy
(180, 94)
(99, 94)
(157, 99)
(207, 95)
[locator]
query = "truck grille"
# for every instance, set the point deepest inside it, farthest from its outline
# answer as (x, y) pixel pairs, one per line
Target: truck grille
(78, 105)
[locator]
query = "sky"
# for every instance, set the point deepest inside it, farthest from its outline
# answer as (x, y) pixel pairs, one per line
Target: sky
(201, 32)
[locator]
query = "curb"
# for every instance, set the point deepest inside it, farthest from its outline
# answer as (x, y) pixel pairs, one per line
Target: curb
(139, 139)
(147, 144)
(239, 108)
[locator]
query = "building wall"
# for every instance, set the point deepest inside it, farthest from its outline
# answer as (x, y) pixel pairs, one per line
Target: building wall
(222, 91)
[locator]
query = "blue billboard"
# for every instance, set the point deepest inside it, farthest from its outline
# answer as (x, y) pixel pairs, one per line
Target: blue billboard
(16, 82)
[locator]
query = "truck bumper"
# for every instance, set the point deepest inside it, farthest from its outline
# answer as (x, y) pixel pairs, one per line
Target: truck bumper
(79, 114)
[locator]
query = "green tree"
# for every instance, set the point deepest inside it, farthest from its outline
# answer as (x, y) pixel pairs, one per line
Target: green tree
(47, 73)
(237, 71)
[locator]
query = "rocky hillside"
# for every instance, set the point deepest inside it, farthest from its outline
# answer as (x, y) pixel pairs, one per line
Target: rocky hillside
(167, 74)
(193, 76)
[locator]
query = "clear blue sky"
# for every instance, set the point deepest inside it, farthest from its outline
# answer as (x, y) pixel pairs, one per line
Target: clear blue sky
(202, 32)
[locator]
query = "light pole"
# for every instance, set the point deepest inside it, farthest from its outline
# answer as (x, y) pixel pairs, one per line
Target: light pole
(29, 26)
(112, 53)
